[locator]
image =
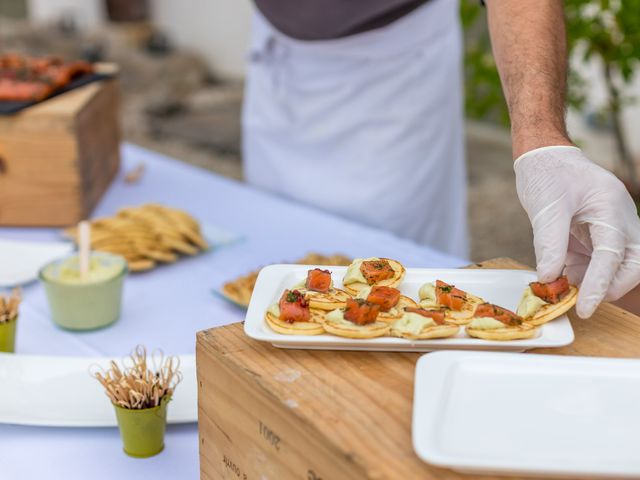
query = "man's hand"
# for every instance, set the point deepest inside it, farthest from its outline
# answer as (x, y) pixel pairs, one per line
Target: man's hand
(584, 218)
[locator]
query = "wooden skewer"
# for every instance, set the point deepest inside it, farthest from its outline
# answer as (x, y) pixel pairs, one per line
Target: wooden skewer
(137, 386)
(84, 241)
(9, 306)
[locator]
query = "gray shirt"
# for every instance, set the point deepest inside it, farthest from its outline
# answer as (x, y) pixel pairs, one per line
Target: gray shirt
(327, 19)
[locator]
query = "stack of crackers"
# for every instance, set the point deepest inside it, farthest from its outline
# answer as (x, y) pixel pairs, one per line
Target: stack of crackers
(239, 291)
(146, 235)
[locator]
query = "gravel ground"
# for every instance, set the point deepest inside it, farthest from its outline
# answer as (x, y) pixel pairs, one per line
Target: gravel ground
(498, 225)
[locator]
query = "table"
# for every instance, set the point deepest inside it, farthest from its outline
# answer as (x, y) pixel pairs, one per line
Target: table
(166, 307)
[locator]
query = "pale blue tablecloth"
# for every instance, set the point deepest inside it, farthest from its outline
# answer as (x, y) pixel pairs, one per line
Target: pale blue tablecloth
(166, 307)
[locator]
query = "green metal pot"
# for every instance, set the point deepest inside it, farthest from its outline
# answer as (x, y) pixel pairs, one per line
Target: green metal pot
(8, 335)
(142, 431)
(85, 306)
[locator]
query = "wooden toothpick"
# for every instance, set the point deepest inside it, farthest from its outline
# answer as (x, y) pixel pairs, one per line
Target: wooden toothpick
(84, 243)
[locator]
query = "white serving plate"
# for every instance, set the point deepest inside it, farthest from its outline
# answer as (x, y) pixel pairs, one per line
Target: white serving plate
(60, 392)
(20, 261)
(502, 287)
(507, 414)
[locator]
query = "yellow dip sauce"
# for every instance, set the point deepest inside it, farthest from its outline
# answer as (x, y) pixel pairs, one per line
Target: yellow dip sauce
(102, 267)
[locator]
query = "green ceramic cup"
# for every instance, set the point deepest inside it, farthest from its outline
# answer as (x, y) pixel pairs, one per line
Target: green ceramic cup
(88, 305)
(8, 335)
(142, 431)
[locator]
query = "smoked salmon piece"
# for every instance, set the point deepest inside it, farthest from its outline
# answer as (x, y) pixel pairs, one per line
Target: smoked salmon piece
(386, 297)
(361, 312)
(294, 307)
(501, 314)
(551, 292)
(450, 296)
(318, 280)
(436, 315)
(375, 271)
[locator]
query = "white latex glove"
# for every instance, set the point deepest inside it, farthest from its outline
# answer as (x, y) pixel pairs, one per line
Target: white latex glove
(583, 219)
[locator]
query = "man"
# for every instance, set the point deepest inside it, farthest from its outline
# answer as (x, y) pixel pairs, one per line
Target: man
(356, 107)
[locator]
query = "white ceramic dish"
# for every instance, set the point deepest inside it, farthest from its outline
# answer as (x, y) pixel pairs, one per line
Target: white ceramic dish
(20, 261)
(501, 413)
(502, 287)
(60, 392)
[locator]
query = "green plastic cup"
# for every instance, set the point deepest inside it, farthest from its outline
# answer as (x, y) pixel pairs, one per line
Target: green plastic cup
(88, 305)
(8, 335)
(142, 431)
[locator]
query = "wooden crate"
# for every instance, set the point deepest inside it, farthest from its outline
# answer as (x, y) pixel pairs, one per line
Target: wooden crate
(58, 157)
(268, 413)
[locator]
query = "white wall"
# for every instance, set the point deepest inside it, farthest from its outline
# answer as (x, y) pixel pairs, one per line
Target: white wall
(87, 12)
(217, 29)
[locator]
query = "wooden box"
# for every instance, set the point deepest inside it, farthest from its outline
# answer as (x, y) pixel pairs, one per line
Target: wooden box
(58, 157)
(269, 413)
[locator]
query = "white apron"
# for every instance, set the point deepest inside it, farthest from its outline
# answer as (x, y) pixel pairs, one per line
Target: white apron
(369, 126)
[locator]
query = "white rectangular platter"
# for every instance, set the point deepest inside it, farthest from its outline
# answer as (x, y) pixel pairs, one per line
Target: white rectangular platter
(60, 392)
(502, 287)
(508, 414)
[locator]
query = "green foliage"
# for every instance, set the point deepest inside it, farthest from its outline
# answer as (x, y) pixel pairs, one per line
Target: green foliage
(608, 30)
(483, 92)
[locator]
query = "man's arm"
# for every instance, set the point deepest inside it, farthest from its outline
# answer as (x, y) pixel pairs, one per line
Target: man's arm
(529, 45)
(584, 221)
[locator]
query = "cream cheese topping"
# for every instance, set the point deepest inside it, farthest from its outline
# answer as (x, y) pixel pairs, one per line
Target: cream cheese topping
(529, 304)
(428, 304)
(336, 316)
(364, 293)
(413, 323)
(486, 323)
(274, 310)
(427, 294)
(393, 311)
